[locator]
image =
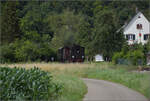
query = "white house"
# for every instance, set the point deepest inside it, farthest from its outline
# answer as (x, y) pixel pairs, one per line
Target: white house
(137, 30)
(99, 57)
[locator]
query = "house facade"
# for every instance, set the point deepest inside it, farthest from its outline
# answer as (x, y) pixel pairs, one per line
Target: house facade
(137, 30)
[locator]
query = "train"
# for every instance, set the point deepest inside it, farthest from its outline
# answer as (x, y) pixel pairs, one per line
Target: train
(73, 53)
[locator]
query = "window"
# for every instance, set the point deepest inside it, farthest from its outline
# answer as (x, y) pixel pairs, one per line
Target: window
(78, 51)
(146, 36)
(139, 26)
(139, 17)
(130, 37)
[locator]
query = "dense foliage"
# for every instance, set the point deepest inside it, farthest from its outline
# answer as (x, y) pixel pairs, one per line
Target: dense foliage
(33, 84)
(34, 30)
(131, 55)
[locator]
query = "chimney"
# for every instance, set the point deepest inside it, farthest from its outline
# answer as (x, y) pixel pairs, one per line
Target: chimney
(136, 10)
(126, 23)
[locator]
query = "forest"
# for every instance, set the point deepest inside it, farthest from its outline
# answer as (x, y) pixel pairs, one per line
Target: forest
(35, 30)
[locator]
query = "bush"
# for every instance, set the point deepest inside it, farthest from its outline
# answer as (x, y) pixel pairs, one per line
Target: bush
(117, 56)
(7, 53)
(26, 50)
(22, 84)
(130, 55)
(136, 57)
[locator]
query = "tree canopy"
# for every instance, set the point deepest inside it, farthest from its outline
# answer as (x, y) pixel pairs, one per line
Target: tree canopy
(34, 30)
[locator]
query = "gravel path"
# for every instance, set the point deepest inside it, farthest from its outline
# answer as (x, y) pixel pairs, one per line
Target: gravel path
(100, 90)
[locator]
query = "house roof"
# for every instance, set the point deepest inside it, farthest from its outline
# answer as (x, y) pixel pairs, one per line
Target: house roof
(70, 46)
(126, 26)
(132, 20)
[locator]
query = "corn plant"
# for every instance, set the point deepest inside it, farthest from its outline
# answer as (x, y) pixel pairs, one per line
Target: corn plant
(33, 84)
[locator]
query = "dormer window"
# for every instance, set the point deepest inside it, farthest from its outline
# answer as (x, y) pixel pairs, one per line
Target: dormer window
(139, 26)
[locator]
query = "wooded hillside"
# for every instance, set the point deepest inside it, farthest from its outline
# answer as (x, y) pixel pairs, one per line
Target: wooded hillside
(34, 30)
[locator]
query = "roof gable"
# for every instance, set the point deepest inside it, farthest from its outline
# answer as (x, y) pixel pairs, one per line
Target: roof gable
(133, 20)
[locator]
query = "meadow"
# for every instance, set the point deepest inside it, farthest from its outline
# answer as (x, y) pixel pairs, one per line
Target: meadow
(74, 89)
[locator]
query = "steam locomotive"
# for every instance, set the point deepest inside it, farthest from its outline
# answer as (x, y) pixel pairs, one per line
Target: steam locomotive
(74, 53)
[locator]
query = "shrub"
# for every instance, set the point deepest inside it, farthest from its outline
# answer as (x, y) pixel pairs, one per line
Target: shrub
(130, 55)
(117, 56)
(26, 50)
(33, 84)
(136, 57)
(7, 53)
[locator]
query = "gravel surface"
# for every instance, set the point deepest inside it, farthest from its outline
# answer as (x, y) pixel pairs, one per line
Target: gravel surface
(100, 90)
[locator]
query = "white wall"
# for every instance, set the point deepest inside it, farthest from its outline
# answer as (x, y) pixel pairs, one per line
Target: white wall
(99, 57)
(131, 28)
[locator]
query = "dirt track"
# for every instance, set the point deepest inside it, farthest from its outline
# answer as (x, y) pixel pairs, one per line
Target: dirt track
(100, 90)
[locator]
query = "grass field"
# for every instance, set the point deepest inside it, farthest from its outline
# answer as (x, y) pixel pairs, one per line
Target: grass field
(70, 74)
(74, 88)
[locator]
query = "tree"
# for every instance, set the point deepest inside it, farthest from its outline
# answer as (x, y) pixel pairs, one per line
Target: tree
(34, 19)
(9, 22)
(49, 25)
(106, 39)
(148, 45)
(84, 38)
(65, 27)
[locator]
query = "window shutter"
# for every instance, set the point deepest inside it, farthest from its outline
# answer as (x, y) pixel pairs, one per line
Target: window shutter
(127, 37)
(137, 26)
(146, 36)
(140, 26)
(133, 37)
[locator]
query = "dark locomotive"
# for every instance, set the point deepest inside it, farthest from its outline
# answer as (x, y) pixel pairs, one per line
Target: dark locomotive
(74, 53)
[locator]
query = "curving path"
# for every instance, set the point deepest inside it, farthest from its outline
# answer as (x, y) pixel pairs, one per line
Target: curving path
(100, 90)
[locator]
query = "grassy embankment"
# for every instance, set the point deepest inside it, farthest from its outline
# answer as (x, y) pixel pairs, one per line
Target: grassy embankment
(116, 73)
(69, 73)
(73, 89)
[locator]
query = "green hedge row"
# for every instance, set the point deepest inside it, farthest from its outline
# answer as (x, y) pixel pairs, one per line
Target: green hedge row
(33, 84)
(131, 55)
(26, 51)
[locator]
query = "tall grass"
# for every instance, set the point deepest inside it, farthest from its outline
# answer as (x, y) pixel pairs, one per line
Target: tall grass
(74, 88)
(70, 74)
(137, 81)
(49, 66)
(106, 71)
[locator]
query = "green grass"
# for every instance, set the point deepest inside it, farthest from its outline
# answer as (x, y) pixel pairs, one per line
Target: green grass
(36, 84)
(137, 81)
(119, 74)
(74, 88)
